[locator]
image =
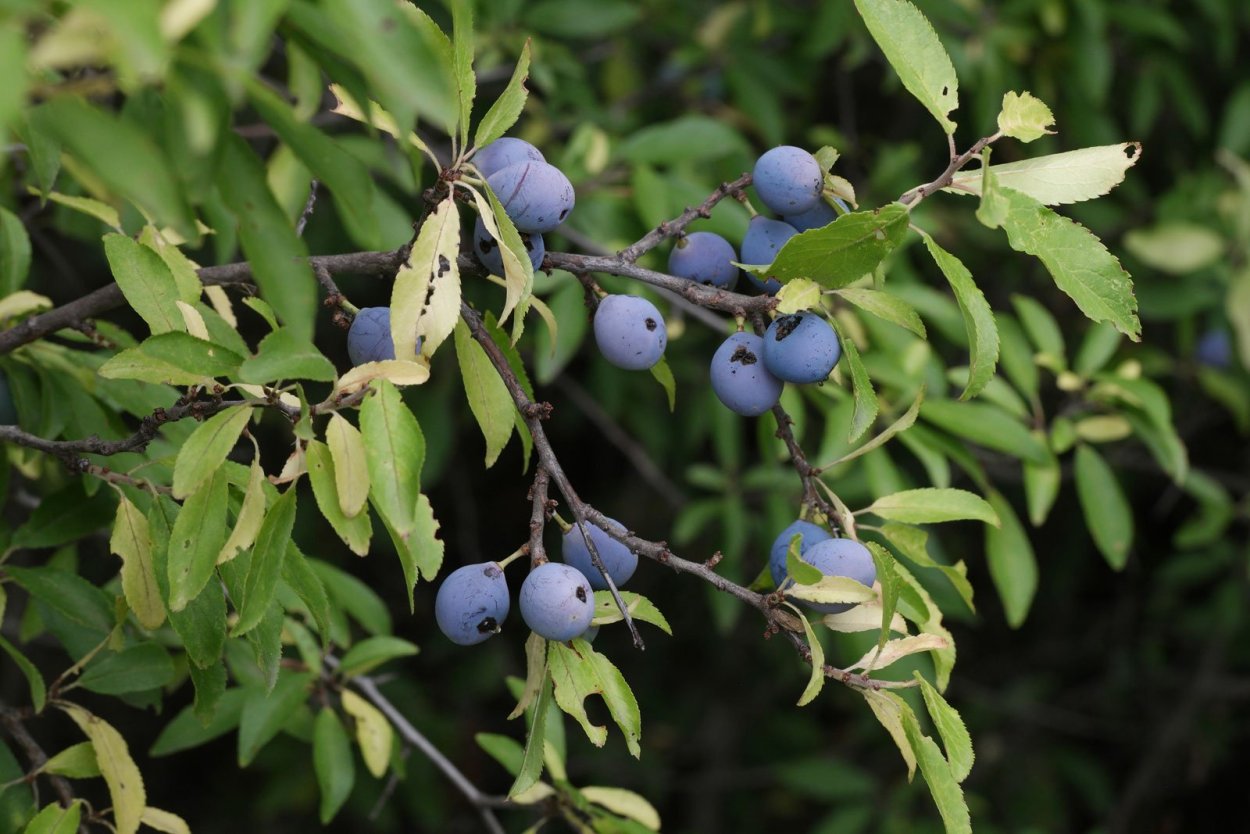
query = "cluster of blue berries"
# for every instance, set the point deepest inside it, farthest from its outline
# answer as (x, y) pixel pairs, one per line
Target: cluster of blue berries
(535, 194)
(557, 599)
(829, 555)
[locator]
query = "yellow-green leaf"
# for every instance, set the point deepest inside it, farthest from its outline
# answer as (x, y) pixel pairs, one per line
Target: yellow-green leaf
(164, 821)
(351, 473)
(206, 449)
(132, 541)
(1024, 117)
(913, 49)
(489, 399)
(425, 299)
(374, 733)
(122, 776)
(251, 514)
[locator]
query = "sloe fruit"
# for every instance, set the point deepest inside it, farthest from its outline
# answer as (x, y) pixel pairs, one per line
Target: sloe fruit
(705, 258)
(630, 332)
(802, 347)
(619, 561)
(472, 603)
(488, 254)
(840, 557)
(788, 179)
(537, 196)
(557, 601)
(764, 238)
(811, 535)
(504, 152)
(740, 379)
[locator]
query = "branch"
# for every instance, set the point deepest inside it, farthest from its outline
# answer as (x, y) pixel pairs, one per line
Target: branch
(674, 227)
(915, 195)
(12, 722)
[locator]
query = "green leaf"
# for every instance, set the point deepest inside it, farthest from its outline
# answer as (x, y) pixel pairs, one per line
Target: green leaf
(1013, 567)
(890, 588)
(173, 358)
(626, 804)
(265, 713)
(1057, 179)
(395, 452)
(577, 672)
(68, 594)
(842, 252)
(507, 751)
(374, 733)
(140, 667)
(799, 294)
(124, 781)
(196, 538)
(1106, 509)
(344, 175)
(1177, 247)
(14, 253)
(900, 425)
(690, 138)
(889, 709)
(1024, 117)
(798, 570)
(885, 306)
(64, 516)
(356, 598)
(462, 60)
(266, 564)
(297, 573)
(206, 449)
(532, 759)
(1099, 345)
(664, 375)
(281, 356)
(132, 541)
(1077, 260)
(54, 819)
(368, 654)
(913, 49)
(939, 776)
(351, 471)
(866, 406)
(912, 543)
(421, 553)
(1043, 332)
(123, 156)
(185, 731)
(425, 298)
(164, 821)
(986, 425)
(489, 399)
(210, 686)
(929, 505)
(323, 474)
(978, 318)
(506, 109)
(1017, 357)
(518, 270)
(832, 590)
(1041, 488)
(145, 281)
(250, 516)
(950, 727)
(269, 241)
(640, 609)
(333, 763)
(77, 761)
(34, 680)
(816, 680)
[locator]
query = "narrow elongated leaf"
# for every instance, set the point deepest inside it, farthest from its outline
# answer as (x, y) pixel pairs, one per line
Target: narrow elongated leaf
(832, 590)
(912, 542)
(577, 672)
(323, 474)
(132, 541)
(425, 299)
(1013, 567)
(986, 425)
(139, 667)
(1106, 509)
(518, 271)
(895, 650)
(374, 733)
(816, 680)
(186, 731)
(34, 680)
(394, 454)
(889, 710)
(124, 781)
(939, 776)
(913, 49)
(251, 514)
(175, 358)
(887, 576)
(885, 306)
(924, 506)
(264, 713)
(282, 356)
(351, 472)
(14, 252)
(369, 654)
(298, 573)
(269, 241)
(1058, 179)
(206, 449)
(842, 252)
(159, 820)
(266, 564)
(978, 319)
(535, 742)
(950, 727)
(506, 109)
(54, 819)
(332, 762)
(489, 399)
(626, 804)
(866, 405)
(68, 594)
(146, 282)
(462, 63)
(901, 424)
(195, 540)
(65, 516)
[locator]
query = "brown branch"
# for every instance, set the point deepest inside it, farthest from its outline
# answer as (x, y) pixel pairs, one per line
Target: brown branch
(539, 516)
(302, 223)
(915, 195)
(674, 227)
(12, 720)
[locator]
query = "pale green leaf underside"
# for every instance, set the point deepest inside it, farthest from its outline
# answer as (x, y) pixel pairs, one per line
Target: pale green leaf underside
(1061, 178)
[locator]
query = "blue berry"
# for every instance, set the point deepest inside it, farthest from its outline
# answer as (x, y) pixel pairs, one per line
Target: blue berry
(557, 601)
(1215, 349)
(788, 179)
(537, 196)
(822, 214)
(488, 254)
(369, 339)
(764, 238)
(504, 152)
(630, 332)
(811, 535)
(472, 603)
(618, 559)
(740, 379)
(840, 557)
(802, 347)
(705, 258)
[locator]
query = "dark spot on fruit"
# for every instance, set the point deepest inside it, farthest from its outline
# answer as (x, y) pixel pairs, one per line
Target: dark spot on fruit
(786, 325)
(743, 355)
(488, 626)
(650, 322)
(581, 593)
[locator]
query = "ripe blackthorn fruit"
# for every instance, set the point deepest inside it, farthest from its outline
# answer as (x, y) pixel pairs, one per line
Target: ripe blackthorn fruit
(488, 254)
(619, 561)
(705, 258)
(788, 179)
(810, 535)
(557, 601)
(472, 603)
(1214, 349)
(822, 214)
(537, 196)
(840, 557)
(740, 379)
(764, 238)
(630, 332)
(802, 347)
(504, 152)
(369, 339)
